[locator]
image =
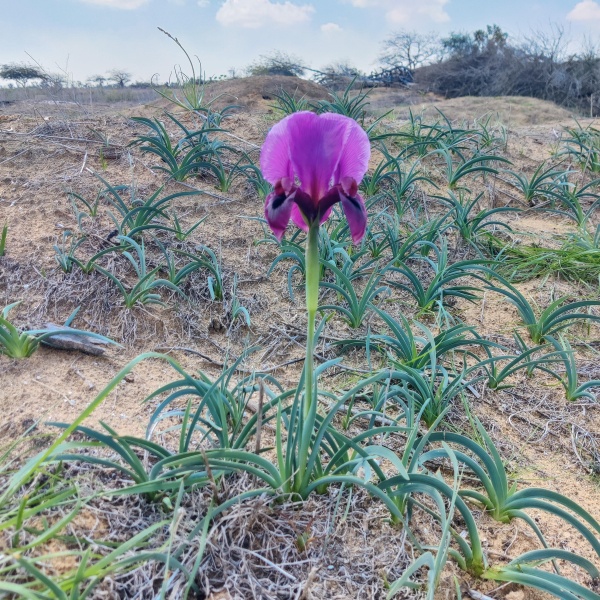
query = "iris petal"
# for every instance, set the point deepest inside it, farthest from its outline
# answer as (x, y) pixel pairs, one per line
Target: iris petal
(275, 162)
(327, 155)
(298, 218)
(316, 145)
(278, 209)
(304, 210)
(356, 150)
(356, 215)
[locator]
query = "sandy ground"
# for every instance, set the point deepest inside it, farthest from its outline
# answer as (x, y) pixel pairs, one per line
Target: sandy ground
(47, 149)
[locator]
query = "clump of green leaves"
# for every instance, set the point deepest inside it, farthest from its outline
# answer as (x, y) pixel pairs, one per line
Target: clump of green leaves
(583, 146)
(470, 226)
(554, 318)
(456, 171)
(190, 154)
(64, 253)
(144, 291)
(542, 184)
(19, 343)
(441, 287)
(355, 308)
(402, 346)
(348, 103)
(568, 201)
(563, 352)
(238, 312)
(288, 104)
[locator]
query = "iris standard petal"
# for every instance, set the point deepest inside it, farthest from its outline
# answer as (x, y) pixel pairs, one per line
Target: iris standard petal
(275, 162)
(356, 150)
(316, 144)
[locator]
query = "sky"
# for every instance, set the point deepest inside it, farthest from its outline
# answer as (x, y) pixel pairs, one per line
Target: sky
(81, 38)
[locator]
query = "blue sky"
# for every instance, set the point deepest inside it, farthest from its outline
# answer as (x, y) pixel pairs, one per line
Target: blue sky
(87, 37)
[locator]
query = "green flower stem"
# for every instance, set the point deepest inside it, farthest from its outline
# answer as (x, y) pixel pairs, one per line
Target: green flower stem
(312, 303)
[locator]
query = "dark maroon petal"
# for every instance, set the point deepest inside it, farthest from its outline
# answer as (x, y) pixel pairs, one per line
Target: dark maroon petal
(332, 196)
(306, 205)
(325, 215)
(278, 209)
(356, 215)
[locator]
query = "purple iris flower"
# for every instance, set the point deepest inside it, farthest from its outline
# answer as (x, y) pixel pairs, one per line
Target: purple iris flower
(314, 161)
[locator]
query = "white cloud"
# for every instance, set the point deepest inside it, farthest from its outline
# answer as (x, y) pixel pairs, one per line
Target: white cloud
(404, 11)
(257, 13)
(203, 3)
(330, 28)
(122, 4)
(587, 10)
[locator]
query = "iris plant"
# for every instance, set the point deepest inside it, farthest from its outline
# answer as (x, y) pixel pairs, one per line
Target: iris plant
(314, 161)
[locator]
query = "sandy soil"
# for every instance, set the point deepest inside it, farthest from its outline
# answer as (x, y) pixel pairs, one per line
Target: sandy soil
(47, 149)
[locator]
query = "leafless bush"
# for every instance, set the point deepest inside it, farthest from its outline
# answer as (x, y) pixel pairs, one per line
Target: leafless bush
(487, 63)
(277, 63)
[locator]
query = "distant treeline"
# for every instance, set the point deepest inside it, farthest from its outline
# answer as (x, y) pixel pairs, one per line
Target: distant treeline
(486, 63)
(483, 63)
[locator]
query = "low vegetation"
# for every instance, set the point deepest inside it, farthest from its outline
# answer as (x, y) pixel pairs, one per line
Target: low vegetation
(382, 422)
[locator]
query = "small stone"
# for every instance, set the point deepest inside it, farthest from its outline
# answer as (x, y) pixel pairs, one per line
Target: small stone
(130, 378)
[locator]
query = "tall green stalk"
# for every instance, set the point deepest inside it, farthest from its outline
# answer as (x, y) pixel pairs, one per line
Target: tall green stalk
(308, 409)
(312, 303)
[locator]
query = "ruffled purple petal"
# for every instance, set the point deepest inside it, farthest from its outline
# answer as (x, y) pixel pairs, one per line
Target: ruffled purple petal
(316, 144)
(275, 162)
(356, 150)
(356, 215)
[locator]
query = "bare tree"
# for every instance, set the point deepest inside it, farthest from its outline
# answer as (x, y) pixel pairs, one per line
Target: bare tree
(120, 77)
(551, 44)
(410, 49)
(56, 81)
